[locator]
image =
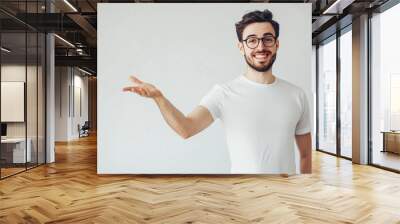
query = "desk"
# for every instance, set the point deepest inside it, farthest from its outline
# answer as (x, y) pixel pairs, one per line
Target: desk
(391, 141)
(15, 148)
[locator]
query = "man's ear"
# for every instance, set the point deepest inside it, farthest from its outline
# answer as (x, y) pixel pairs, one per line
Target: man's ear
(240, 46)
(277, 44)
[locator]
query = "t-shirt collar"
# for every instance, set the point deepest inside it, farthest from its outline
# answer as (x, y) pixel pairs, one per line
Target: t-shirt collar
(244, 78)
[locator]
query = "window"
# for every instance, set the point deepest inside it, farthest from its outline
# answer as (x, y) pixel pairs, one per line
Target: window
(346, 94)
(327, 97)
(385, 88)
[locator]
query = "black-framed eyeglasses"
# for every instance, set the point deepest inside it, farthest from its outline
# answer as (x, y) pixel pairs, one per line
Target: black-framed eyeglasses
(252, 42)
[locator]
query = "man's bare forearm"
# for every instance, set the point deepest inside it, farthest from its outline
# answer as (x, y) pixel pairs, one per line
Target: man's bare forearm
(305, 165)
(186, 126)
(174, 118)
(304, 145)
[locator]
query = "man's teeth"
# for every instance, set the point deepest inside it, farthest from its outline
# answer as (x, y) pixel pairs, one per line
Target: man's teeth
(260, 56)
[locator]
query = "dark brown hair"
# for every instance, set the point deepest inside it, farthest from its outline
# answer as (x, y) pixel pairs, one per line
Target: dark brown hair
(256, 17)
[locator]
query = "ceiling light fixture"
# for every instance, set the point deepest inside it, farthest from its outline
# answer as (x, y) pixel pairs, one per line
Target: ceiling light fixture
(5, 49)
(337, 7)
(70, 5)
(65, 41)
(86, 72)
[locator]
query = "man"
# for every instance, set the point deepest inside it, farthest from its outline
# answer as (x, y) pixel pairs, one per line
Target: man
(262, 114)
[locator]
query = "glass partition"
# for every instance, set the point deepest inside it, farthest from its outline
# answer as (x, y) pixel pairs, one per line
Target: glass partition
(22, 101)
(32, 95)
(41, 91)
(13, 110)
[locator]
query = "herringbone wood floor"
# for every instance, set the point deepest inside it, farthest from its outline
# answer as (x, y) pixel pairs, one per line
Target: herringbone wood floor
(70, 191)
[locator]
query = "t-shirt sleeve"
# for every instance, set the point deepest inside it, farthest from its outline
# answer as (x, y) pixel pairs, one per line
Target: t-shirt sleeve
(303, 125)
(213, 101)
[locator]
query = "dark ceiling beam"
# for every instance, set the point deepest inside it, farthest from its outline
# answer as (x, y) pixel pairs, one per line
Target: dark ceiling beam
(321, 22)
(52, 22)
(332, 29)
(86, 51)
(329, 13)
(78, 18)
(89, 70)
(85, 25)
(8, 15)
(49, 22)
(84, 61)
(91, 5)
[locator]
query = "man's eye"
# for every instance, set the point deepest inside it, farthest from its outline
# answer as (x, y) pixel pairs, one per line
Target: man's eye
(252, 40)
(268, 39)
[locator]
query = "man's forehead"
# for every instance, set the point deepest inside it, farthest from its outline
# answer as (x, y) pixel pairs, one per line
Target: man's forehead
(258, 29)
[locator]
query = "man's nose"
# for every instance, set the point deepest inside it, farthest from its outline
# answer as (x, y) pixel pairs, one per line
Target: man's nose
(260, 46)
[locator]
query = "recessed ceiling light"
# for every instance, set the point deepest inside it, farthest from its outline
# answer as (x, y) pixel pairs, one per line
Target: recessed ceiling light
(64, 40)
(5, 50)
(84, 71)
(337, 7)
(70, 5)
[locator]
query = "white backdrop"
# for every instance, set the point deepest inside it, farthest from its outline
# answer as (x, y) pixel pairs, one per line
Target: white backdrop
(183, 49)
(12, 101)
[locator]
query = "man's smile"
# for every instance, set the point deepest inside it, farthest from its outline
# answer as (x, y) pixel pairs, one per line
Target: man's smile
(261, 56)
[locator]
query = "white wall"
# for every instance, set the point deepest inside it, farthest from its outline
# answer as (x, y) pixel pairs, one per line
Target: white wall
(61, 103)
(15, 73)
(12, 101)
(184, 49)
(80, 84)
(68, 80)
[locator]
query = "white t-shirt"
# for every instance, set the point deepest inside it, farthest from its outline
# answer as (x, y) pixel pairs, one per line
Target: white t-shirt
(260, 122)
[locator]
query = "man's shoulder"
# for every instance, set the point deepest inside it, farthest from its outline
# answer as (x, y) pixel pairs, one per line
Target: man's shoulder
(291, 86)
(228, 85)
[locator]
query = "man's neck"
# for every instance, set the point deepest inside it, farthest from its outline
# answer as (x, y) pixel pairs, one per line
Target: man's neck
(260, 77)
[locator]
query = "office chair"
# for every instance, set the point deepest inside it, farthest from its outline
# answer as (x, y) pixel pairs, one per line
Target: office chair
(84, 130)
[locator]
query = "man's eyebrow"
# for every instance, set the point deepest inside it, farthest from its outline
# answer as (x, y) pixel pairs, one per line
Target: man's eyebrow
(252, 35)
(268, 34)
(265, 34)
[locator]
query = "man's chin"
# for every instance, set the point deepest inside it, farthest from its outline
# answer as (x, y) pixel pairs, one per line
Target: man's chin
(262, 68)
(261, 64)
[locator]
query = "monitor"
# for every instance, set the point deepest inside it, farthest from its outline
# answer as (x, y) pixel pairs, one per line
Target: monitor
(3, 129)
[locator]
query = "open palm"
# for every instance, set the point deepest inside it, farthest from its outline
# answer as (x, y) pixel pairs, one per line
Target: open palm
(142, 88)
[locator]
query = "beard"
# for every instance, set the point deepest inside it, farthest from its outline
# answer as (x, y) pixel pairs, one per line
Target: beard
(261, 68)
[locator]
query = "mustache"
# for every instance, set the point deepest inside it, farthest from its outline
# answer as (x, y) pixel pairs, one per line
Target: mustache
(262, 52)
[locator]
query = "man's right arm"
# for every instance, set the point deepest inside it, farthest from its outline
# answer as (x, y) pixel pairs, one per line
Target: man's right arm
(186, 126)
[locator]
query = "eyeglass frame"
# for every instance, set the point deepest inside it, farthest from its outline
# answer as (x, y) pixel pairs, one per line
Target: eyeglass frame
(258, 40)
